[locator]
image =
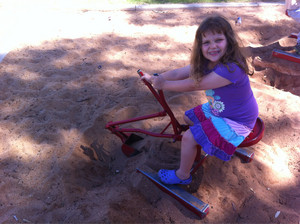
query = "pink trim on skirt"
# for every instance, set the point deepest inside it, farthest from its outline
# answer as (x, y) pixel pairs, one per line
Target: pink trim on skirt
(212, 134)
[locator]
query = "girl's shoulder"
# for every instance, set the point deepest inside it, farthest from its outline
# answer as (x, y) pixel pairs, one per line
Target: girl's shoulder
(230, 66)
(231, 71)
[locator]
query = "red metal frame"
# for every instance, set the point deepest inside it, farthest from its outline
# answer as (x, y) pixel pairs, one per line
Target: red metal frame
(125, 133)
(285, 55)
(293, 35)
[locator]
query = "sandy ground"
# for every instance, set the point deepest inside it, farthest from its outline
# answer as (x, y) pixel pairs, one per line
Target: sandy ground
(69, 70)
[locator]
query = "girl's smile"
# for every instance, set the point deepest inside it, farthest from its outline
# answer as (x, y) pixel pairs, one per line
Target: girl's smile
(214, 46)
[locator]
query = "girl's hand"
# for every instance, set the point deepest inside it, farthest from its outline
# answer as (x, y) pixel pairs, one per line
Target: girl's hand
(147, 77)
(156, 81)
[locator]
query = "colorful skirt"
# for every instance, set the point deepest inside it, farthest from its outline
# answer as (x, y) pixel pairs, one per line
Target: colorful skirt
(216, 135)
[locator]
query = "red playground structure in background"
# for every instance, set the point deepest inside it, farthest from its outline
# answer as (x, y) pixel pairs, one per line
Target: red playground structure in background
(293, 11)
(173, 130)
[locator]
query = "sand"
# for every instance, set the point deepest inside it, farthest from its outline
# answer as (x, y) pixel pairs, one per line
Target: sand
(71, 69)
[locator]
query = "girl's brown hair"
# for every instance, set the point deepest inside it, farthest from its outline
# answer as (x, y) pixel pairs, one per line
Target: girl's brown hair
(216, 24)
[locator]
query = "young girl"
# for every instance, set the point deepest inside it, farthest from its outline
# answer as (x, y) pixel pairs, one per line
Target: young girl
(221, 124)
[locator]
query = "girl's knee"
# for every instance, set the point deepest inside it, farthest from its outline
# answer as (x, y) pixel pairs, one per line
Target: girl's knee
(187, 120)
(188, 137)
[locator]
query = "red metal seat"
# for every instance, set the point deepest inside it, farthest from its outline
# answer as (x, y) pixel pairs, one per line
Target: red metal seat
(256, 134)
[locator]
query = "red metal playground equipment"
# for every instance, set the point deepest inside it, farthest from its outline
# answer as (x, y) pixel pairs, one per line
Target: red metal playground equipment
(287, 55)
(128, 137)
(292, 11)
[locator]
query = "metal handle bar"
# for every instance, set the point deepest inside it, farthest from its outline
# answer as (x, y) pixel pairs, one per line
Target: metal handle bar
(159, 95)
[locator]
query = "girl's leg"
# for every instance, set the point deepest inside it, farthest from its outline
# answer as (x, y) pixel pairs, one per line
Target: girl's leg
(188, 155)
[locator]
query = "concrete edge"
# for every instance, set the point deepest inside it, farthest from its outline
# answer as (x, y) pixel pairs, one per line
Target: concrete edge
(187, 6)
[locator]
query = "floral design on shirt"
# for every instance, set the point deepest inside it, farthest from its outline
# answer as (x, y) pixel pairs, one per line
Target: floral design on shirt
(216, 105)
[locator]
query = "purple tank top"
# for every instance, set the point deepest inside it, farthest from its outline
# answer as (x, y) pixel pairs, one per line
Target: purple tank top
(236, 100)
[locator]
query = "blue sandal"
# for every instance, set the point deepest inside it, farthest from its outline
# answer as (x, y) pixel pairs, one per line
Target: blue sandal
(170, 177)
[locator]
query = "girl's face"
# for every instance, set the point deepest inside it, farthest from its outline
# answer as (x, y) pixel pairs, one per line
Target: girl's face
(214, 46)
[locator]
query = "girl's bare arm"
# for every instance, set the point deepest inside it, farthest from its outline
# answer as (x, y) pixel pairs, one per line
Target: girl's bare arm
(177, 74)
(210, 81)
